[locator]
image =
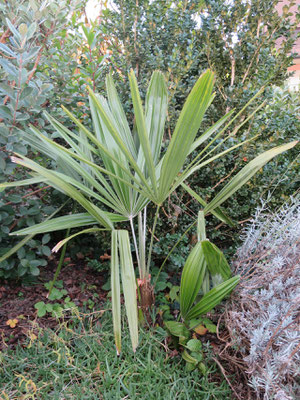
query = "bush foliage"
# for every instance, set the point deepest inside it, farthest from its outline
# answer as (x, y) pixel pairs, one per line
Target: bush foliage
(50, 54)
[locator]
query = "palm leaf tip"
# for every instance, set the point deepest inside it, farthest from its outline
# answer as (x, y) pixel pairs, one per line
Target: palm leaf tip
(56, 247)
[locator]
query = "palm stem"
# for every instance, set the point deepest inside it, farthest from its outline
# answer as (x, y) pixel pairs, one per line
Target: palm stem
(135, 246)
(60, 263)
(142, 246)
(152, 237)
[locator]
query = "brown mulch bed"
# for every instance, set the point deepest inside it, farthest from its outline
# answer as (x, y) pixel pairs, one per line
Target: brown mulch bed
(17, 300)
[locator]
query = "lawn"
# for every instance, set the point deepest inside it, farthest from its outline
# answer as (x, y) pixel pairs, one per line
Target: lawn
(78, 360)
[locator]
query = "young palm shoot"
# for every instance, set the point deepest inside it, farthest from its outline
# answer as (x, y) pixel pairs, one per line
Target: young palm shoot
(205, 267)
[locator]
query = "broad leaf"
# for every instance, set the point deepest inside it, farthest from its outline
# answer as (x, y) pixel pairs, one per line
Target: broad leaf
(191, 278)
(212, 298)
(215, 260)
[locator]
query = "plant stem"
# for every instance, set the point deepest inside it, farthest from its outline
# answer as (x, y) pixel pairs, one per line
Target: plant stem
(61, 260)
(135, 246)
(173, 248)
(142, 246)
(152, 237)
(62, 255)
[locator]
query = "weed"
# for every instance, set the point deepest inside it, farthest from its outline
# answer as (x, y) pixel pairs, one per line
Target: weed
(56, 309)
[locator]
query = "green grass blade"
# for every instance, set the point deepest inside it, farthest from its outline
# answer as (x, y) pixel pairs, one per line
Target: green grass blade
(188, 172)
(98, 214)
(111, 196)
(142, 132)
(119, 115)
(210, 131)
(104, 136)
(217, 212)
(156, 107)
(27, 238)
(14, 249)
(60, 223)
(64, 241)
(109, 156)
(68, 136)
(201, 231)
(119, 140)
(24, 182)
(65, 158)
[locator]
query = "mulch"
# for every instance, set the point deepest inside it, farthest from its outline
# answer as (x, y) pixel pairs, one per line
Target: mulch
(17, 300)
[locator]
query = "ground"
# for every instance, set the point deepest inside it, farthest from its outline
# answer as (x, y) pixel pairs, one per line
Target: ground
(17, 301)
(74, 357)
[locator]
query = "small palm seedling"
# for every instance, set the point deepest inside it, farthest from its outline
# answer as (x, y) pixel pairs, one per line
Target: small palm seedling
(205, 281)
(206, 271)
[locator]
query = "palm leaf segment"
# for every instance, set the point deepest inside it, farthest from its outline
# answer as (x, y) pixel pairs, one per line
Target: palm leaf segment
(131, 172)
(110, 167)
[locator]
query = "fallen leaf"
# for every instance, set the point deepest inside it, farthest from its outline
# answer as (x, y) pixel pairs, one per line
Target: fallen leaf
(12, 323)
(32, 336)
(98, 371)
(200, 330)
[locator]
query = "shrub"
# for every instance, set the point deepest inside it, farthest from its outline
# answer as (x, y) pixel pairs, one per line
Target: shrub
(263, 315)
(27, 30)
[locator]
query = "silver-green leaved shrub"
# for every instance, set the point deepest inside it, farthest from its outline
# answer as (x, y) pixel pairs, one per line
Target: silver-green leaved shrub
(264, 315)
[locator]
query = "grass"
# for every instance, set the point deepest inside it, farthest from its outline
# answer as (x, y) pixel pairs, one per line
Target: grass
(79, 361)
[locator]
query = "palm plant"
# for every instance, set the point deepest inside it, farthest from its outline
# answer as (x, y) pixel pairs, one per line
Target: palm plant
(205, 263)
(125, 171)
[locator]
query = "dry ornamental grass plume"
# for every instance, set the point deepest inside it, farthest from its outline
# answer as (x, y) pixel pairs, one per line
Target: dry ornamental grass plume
(263, 318)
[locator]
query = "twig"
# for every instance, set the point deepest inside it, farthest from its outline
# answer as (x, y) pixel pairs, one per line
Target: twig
(225, 376)
(29, 194)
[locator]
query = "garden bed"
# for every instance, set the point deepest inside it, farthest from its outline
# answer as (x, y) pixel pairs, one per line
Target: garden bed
(83, 286)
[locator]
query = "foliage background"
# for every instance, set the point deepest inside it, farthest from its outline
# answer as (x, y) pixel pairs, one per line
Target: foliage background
(182, 39)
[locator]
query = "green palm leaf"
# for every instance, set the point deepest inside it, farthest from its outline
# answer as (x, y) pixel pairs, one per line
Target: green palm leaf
(115, 289)
(191, 278)
(212, 298)
(66, 188)
(185, 132)
(245, 174)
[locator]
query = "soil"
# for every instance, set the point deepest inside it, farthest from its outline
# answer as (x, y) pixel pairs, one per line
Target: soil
(17, 300)
(82, 284)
